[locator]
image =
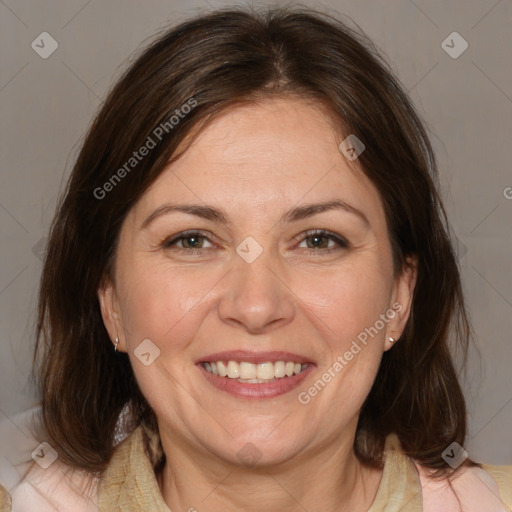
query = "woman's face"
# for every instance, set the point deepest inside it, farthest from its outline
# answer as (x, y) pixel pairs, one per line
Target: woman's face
(248, 285)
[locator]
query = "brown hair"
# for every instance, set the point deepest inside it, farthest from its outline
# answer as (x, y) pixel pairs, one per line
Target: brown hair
(215, 62)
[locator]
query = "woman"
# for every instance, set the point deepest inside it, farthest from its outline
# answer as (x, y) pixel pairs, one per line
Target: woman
(249, 293)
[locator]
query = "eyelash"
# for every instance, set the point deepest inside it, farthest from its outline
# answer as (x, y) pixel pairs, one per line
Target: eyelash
(340, 241)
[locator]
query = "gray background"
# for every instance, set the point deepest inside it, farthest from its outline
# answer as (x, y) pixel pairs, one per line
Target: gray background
(47, 104)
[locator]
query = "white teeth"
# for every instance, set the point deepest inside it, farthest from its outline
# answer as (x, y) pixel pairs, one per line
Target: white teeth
(233, 370)
(247, 371)
(255, 373)
(279, 369)
(223, 371)
(265, 371)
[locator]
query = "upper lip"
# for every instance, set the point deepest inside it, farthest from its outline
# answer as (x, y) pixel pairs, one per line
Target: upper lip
(253, 357)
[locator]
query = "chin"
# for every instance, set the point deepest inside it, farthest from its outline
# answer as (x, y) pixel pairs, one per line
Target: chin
(258, 451)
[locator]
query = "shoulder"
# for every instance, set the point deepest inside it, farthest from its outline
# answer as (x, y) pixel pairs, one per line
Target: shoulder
(5, 499)
(32, 475)
(471, 489)
(502, 475)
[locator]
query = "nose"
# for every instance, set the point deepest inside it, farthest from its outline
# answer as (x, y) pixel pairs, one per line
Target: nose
(256, 297)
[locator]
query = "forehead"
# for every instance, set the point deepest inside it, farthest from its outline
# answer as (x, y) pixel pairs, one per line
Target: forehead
(265, 155)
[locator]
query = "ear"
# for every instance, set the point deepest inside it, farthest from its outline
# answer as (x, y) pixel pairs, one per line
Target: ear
(401, 300)
(110, 313)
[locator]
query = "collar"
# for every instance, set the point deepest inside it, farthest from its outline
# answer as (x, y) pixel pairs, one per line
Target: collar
(400, 487)
(129, 483)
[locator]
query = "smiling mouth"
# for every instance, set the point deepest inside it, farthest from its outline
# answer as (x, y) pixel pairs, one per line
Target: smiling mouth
(250, 373)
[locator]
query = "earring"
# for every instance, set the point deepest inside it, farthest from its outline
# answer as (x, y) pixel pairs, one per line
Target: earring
(391, 339)
(117, 343)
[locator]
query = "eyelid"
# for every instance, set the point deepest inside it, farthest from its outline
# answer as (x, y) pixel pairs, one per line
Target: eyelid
(169, 241)
(341, 242)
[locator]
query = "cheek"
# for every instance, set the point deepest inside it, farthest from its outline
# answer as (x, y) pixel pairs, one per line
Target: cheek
(348, 300)
(161, 303)
(350, 304)
(165, 305)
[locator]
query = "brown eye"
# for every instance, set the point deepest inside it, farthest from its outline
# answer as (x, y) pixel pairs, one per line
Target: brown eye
(192, 241)
(187, 241)
(319, 240)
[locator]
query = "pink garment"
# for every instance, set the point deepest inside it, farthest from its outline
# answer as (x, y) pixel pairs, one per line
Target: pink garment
(473, 490)
(405, 486)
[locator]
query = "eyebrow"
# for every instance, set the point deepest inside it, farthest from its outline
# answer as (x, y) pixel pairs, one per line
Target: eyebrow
(216, 215)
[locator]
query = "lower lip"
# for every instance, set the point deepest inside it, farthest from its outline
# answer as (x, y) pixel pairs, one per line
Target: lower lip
(254, 390)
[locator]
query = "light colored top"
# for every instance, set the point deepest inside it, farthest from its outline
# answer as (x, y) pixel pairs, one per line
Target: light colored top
(129, 484)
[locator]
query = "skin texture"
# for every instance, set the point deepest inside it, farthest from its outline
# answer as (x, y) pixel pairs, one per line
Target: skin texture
(256, 162)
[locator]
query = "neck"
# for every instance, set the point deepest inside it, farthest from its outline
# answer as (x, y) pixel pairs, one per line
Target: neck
(332, 479)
